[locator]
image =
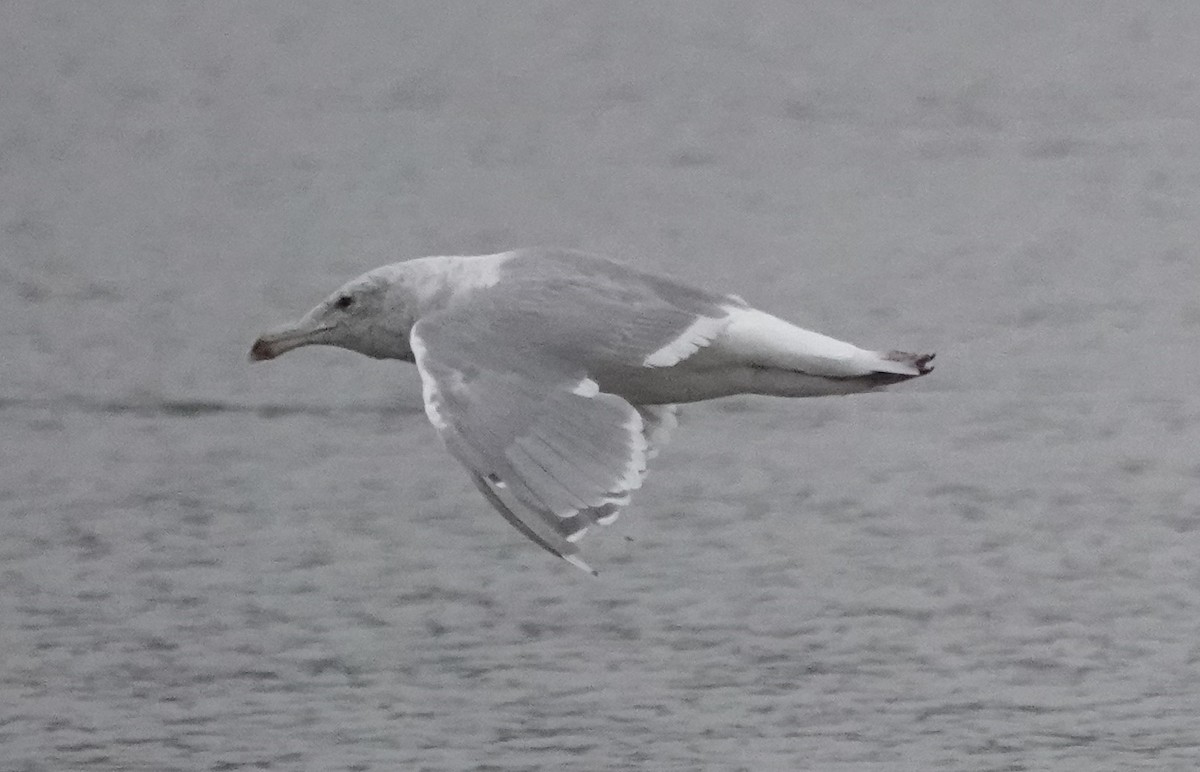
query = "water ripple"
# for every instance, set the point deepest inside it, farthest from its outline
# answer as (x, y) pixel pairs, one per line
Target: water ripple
(194, 407)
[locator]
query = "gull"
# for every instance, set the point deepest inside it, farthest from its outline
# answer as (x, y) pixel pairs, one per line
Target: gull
(554, 375)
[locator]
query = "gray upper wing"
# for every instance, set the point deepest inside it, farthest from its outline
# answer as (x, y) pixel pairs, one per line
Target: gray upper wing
(598, 313)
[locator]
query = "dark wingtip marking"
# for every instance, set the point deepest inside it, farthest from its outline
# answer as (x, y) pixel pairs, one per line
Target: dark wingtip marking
(919, 361)
(261, 351)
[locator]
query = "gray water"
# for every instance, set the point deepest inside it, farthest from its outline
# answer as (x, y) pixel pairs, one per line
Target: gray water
(212, 565)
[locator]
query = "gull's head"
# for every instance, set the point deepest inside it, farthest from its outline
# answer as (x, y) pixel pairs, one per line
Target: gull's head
(372, 314)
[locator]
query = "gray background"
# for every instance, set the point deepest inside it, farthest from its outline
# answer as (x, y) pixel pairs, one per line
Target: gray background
(208, 565)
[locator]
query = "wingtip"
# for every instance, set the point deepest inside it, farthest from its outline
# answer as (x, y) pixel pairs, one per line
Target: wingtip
(577, 561)
(918, 361)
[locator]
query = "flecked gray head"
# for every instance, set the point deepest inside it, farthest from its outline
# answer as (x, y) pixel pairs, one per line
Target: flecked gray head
(372, 314)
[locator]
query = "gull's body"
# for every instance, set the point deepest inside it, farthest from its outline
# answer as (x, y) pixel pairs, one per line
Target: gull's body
(553, 375)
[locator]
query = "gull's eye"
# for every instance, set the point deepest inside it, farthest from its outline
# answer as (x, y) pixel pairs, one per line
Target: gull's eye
(343, 302)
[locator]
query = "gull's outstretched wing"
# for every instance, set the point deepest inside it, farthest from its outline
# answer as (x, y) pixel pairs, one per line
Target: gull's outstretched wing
(508, 383)
(532, 428)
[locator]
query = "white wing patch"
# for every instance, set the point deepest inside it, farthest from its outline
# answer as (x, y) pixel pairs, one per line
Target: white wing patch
(586, 388)
(429, 387)
(698, 334)
(659, 422)
(635, 470)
